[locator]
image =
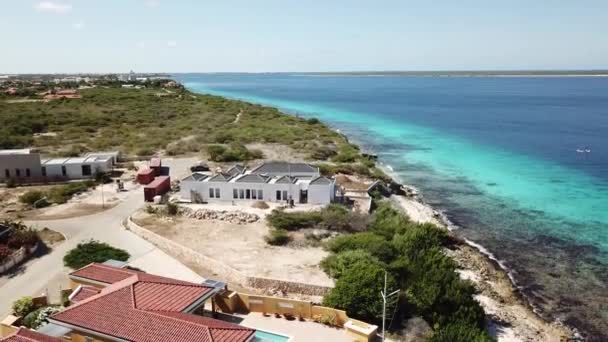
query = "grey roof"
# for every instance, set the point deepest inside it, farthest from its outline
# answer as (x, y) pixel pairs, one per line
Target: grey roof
(252, 179)
(220, 178)
(115, 263)
(321, 181)
(195, 177)
(286, 180)
(55, 330)
(285, 168)
(236, 170)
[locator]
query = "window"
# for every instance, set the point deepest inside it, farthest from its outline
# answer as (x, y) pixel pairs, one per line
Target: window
(217, 192)
(285, 195)
(86, 170)
(235, 193)
(241, 194)
(28, 173)
(64, 171)
(260, 194)
(18, 172)
(278, 195)
(7, 173)
(211, 193)
(247, 194)
(253, 194)
(44, 171)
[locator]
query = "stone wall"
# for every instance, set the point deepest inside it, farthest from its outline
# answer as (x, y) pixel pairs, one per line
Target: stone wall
(226, 272)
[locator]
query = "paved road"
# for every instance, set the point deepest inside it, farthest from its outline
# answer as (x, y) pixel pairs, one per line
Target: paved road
(47, 274)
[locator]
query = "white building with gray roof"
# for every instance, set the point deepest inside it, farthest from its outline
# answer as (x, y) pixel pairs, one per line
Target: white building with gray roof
(270, 182)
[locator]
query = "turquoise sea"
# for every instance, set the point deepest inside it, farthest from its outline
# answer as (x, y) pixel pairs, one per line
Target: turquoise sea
(497, 154)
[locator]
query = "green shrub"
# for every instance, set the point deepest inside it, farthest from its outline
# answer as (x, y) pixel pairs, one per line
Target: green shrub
(374, 244)
(172, 209)
(233, 152)
(31, 197)
(93, 251)
(357, 291)
(62, 193)
(335, 265)
(282, 220)
(23, 306)
(277, 237)
(5, 253)
(39, 317)
(460, 332)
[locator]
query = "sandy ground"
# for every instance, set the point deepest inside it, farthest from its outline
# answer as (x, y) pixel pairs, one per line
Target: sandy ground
(510, 318)
(93, 201)
(242, 247)
(278, 152)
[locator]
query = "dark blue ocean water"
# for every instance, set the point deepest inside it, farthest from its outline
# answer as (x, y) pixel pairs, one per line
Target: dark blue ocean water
(497, 154)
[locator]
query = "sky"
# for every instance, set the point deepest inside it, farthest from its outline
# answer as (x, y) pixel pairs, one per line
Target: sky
(69, 36)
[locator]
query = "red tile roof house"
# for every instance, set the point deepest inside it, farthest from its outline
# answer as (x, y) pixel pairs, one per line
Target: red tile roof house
(140, 307)
(26, 335)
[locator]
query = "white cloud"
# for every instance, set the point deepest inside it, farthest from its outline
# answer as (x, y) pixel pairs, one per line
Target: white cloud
(141, 45)
(79, 25)
(171, 43)
(54, 7)
(153, 3)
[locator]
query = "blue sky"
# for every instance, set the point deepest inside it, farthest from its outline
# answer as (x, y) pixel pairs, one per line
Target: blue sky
(311, 35)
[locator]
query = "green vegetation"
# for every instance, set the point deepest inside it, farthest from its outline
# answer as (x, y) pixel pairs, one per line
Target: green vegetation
(172, 209)
(40, 316)
(277, 237)
(93, 251)
(231, 153)
(23, 306)
(412, 256)
(58, 194)
(333, 217)
(19, 236)
(140, 122)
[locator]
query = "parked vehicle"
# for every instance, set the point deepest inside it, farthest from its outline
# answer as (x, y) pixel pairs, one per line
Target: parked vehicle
(199, 168)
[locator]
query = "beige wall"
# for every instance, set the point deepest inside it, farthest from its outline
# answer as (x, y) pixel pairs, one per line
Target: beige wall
(22, 162)
(81, 337)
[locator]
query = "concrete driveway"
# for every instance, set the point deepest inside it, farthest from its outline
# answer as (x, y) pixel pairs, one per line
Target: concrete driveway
(46, 274)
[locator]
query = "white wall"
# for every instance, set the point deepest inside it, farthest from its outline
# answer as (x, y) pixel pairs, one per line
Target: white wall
(226, 191)
(321, 193)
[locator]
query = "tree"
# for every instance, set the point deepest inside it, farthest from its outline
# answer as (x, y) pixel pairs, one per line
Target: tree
(93, 251)
(335, 265)
(374, 244)
(358, 290)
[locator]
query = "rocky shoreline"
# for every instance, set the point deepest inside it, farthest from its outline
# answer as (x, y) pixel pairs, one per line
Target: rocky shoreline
(510, 317)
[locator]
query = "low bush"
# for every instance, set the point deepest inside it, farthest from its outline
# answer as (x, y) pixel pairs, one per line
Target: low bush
(172, 209)
(374, 244)
(31, 197)
(333, 217)
(277, 237)
(11, 183)
(232, 153)
(39, 317)
(62, 193)
(93, 251)
(23, 306)
(280, 219)
(334, 265)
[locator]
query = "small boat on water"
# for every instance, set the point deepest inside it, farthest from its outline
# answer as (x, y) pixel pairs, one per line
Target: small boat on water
(583, 150)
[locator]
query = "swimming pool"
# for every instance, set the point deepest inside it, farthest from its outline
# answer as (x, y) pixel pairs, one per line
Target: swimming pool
(265, 336)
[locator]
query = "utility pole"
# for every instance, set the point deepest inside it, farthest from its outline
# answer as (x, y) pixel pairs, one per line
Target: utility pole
(384, 298)
(102, 199)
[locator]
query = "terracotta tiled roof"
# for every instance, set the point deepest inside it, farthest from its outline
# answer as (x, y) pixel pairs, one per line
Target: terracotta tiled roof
(103, 273)
(26, 335)
(150, 308)
(83, 292)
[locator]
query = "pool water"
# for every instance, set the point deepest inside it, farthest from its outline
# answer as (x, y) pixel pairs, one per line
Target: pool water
(264, 336)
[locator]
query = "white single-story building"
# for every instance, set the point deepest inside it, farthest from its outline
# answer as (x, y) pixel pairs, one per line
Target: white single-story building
(76, 168)
(270, 182)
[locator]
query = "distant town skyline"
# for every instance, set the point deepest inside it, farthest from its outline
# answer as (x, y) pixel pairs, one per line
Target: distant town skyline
(77, 36)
